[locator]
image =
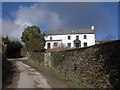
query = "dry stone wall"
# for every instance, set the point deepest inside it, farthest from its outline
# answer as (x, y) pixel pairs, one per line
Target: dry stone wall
(47, 60)
(36, 57)
(95, 66)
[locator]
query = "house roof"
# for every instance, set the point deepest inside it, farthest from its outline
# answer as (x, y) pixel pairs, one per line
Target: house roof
(54, 40)
(75, 31)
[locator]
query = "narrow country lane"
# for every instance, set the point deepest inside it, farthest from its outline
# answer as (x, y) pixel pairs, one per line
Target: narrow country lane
(30, 78)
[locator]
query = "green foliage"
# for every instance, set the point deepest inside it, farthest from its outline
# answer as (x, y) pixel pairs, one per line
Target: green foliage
(33, 39)
(6, 67)
(58, 57)
(37, 57)
(13, 48)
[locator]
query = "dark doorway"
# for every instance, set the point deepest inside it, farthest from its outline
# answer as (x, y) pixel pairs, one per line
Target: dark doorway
(77, 43)
(48, 45)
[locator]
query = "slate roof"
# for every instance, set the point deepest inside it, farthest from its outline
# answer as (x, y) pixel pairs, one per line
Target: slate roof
(54, 40)
(75, 31)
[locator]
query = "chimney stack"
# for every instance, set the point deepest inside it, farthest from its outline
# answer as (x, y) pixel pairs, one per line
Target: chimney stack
(92, 27)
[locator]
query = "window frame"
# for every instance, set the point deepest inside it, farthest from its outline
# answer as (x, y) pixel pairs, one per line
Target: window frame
(50, 37)
(85, 44)
(85, 36)
(69, 37)
(69, 45)
(55, 44)
(77, 36)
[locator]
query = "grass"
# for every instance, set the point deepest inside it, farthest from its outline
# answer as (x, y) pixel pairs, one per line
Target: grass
(60, 76)
(55, 73)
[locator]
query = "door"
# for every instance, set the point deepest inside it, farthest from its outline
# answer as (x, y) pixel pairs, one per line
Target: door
(77, 45)
(48, 45)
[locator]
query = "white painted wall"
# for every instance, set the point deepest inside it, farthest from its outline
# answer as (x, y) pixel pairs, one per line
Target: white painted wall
(52, 44)
(64, 39)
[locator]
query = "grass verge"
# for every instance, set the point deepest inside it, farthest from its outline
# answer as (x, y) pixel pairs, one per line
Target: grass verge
(55, 73)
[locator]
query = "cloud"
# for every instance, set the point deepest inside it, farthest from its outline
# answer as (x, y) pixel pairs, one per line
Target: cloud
(0, 19)
(83, 15)
(62, 15)
(38, 15)
(11, 29)
(0, 27)
(33, 15)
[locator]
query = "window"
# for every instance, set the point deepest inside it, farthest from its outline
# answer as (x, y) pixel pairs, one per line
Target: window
(77, 37)
(85, 44)
(55, 44)
(69, 45)
(50, 38)
(48, 45)
(68, 37)
(85, 36)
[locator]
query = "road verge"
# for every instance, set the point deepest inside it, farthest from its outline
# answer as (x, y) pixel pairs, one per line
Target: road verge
(53, 72)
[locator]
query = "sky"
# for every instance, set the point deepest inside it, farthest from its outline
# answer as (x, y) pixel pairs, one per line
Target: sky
(60, 15)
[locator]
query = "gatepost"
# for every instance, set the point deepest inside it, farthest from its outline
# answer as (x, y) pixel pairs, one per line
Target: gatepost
(47, 59)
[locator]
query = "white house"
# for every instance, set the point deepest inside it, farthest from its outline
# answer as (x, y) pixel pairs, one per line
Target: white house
(70, 38)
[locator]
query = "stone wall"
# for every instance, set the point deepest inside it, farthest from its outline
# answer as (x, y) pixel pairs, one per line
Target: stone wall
(95, 66)
(47, 60)
(36, 57)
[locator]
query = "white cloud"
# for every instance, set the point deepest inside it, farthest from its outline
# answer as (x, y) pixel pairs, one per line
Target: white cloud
(33, 15)
(37, 15)
(11, 29)
(0, 27)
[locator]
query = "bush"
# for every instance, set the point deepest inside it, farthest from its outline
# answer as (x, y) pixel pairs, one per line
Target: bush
(13, 48)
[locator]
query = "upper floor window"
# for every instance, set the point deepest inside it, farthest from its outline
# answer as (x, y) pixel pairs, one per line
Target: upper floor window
(68, 37)
(50, 38)
(85, 44)
(77, 37)
(85, 36)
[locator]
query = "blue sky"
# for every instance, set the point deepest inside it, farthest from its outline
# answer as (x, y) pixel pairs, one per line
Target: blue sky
(62, 15)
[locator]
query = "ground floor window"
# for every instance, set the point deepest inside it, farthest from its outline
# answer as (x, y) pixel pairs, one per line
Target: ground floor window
(69, 45)
(55, 44)
(85, 44)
